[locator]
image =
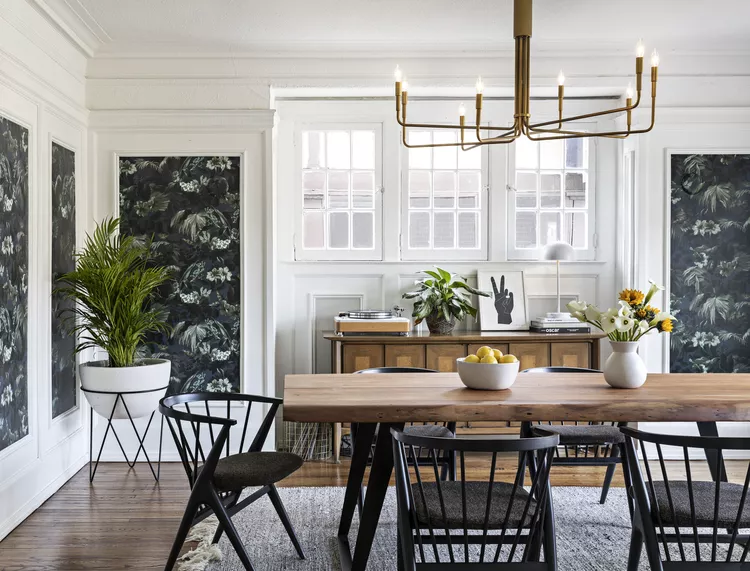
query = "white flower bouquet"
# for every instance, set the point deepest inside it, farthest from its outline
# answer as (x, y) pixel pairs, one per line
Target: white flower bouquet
(630, 320)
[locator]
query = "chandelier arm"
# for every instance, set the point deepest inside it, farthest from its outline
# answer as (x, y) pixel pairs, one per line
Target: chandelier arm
(588, 115)
(609, 134)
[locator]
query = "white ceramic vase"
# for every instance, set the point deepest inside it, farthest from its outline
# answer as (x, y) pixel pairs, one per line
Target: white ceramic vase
(146, 382)
(624, 368)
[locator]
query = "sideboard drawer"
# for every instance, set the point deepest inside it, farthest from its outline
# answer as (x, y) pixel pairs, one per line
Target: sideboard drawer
(358, 357)
(405, 356)
(531, 354)
(571, 355)
(442, 357)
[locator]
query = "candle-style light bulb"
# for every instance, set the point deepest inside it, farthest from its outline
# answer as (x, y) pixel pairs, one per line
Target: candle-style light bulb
(462, 110)
(640, 49)
(629, 91)
(655, 59)
(479, 85)
(398, 74)
(404, 85)
(561, 78)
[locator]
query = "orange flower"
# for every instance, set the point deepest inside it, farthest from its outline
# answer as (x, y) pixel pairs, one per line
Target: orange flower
(632, 296)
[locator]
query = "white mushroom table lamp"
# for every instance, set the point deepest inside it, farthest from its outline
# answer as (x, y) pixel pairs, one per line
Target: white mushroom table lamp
(559, 252)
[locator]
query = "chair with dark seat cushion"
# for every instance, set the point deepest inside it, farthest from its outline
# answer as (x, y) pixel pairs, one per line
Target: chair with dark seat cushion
(248, 469)
(589, 444)
(218, 477)
(479, 523)
(687, 524)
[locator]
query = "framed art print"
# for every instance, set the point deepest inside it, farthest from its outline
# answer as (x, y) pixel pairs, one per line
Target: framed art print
(505, 309)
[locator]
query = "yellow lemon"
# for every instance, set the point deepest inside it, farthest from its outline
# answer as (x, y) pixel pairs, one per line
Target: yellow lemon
(497, 353)
(471, 359)
(484, 351)
(489, 360)
(508, 359)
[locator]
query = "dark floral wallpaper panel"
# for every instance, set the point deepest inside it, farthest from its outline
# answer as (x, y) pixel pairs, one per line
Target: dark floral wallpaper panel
(191, 208)
(710, 263)
(63, 249)
(14, 255)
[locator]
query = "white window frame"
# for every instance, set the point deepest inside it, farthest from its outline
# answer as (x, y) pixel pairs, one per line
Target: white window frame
(331, 254)
(479, 254)
(582, 254)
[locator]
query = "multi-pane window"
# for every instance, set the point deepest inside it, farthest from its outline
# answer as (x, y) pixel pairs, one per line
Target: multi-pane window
(552, 198)
(341, 177)
(445, 202)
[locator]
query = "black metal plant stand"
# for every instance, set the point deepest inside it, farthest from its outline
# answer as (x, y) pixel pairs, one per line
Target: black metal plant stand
(141, 439)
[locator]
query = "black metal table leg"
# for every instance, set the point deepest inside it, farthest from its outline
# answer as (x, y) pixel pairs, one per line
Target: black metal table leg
(711, 429)
(365, 434)
(377, 487)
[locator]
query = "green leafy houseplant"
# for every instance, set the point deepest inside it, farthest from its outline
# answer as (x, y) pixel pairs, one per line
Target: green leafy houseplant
(112, 289)
(442, 298)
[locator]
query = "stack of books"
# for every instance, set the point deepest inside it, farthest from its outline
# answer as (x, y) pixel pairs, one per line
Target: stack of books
(558, 325)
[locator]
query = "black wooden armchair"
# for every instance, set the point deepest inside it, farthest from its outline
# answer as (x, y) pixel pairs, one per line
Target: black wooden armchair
(218, 477)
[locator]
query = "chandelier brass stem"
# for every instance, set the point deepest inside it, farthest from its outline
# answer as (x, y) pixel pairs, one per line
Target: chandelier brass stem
(522, 125)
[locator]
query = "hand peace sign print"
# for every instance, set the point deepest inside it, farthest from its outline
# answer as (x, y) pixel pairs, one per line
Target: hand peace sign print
(503, 301)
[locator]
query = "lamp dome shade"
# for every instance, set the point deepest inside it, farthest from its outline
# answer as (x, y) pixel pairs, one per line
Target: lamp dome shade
(558, 251)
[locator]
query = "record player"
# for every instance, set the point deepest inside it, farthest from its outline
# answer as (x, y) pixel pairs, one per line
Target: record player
(371, 322)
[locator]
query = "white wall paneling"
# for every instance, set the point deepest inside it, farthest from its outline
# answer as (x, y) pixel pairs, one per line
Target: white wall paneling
(248, 135)
(42, 87)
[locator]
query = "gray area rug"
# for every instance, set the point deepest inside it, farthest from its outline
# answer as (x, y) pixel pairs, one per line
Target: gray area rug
(590, 537)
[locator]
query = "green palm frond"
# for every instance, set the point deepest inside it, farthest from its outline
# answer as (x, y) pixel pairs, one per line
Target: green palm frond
(112, 289)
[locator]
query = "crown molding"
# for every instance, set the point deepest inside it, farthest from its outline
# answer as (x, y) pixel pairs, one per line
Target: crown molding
(71, 19)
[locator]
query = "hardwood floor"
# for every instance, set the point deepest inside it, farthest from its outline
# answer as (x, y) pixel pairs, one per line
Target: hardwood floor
(126, 521)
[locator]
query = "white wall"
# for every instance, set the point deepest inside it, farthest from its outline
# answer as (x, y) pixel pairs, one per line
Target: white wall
(42, 88)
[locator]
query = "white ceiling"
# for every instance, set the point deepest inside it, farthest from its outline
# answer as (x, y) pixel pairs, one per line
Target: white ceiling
(246, 26)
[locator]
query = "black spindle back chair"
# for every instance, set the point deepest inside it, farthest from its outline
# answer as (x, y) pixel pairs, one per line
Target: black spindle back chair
(217, 476)
(595, 443)
(470, 524)
(684, 522)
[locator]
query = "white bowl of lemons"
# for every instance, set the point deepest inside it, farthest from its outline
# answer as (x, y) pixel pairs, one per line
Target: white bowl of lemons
(488, 370)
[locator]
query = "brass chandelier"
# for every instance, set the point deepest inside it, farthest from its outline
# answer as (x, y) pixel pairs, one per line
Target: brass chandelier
(522, 125)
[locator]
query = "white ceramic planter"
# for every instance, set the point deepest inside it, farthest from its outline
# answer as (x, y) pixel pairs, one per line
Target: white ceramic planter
(624, 368)
(151, 374)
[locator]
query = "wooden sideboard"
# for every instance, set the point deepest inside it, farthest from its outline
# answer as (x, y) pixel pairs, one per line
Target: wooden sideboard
(439, 352)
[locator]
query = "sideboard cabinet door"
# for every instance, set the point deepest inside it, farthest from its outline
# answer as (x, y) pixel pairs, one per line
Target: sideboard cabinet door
(404, 356)
(571, 355)
(442, 357)
(531, 354)
(358, 357)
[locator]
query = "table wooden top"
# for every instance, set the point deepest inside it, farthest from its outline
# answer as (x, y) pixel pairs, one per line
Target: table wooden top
(399, 397)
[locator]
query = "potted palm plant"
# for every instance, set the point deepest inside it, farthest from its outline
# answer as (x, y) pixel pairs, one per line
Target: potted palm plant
(442, 299)
(112, 291)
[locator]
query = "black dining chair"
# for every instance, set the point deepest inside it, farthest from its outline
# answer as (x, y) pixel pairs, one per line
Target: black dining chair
(217, 476)
(584, 444)
(473, 523)
(684, 522)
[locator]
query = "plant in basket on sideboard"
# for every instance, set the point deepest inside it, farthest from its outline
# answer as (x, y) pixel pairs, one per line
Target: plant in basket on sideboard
(624, 325)
(441, 300)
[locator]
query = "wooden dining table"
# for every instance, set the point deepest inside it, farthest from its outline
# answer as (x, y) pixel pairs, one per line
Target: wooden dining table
(391, 399)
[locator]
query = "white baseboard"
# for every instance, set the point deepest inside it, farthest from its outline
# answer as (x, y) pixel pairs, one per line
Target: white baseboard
(40, 497)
